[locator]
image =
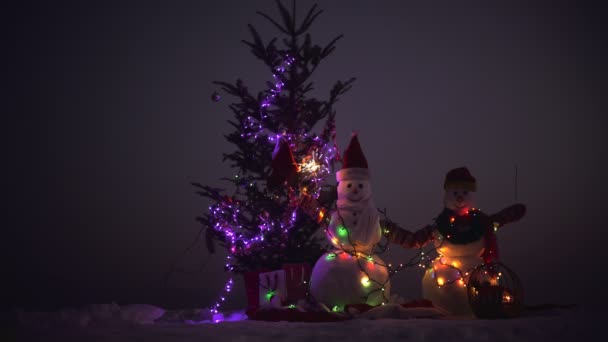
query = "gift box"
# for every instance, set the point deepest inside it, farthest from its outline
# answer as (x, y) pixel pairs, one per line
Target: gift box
(277, 287)
(272, 289)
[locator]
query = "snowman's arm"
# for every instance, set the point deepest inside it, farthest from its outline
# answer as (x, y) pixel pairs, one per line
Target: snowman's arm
(311, 207)
(509, 214)
(407, 239)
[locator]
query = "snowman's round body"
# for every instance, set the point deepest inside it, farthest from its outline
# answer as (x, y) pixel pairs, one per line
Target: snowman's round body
(351, 274)
(340, 278)
(444, 282)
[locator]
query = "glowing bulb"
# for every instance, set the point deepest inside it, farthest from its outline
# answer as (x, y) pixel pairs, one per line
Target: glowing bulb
(321, 215)
(452, 219)
(342, 231)
(269, 295)
(365, 281)
(506, 297)
(330, 256)
(334, 240)
(455, 264)
(440, 281)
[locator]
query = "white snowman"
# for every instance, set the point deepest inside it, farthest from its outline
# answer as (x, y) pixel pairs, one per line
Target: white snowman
(351, 274)
(464, 238)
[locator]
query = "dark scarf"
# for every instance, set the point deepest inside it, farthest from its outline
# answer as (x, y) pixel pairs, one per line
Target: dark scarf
(452, 226)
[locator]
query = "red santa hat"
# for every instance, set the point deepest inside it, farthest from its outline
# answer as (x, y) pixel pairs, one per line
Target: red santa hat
(460, 178)
(283, 165)
(354, 164)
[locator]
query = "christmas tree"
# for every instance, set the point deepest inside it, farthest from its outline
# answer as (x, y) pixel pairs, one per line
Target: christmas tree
(278, 157)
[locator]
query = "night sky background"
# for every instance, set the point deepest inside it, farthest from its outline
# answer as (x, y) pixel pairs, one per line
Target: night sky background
(107, 118)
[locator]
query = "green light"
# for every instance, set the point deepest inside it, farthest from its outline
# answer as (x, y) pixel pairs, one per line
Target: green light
(269, 295)
(330, 256)
(337, 308)
(370, 259)
(292, 306)
(342, 231)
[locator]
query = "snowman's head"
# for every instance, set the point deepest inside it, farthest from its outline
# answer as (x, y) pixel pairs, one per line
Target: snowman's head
(355, 190)
(458, 199)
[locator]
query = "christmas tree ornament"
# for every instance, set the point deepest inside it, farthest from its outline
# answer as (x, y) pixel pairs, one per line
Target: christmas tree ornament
(464, 238)
(215, 97)
(351, 273)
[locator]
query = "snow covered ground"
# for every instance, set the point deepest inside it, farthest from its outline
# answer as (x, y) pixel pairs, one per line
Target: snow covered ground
(146, 323)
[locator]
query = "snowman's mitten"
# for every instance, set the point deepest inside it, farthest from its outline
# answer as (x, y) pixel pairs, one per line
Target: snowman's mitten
(397, 235)
(509, 214)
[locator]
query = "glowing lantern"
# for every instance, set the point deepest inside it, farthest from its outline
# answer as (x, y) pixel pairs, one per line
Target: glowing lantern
(495, 292)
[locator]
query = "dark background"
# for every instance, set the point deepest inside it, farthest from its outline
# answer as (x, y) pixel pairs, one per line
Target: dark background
(107, 119)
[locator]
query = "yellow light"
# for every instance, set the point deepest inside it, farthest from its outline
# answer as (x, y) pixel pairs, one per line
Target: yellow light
(440, 281)
(321, 214)
(365, 281)
(455, 264)
(461, 282)
(310, 165)
(334, 240)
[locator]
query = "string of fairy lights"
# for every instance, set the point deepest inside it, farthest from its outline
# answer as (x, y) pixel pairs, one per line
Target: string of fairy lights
(424, 259)
(313, 169)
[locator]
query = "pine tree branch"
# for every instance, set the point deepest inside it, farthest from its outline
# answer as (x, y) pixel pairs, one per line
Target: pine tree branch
(279, 27)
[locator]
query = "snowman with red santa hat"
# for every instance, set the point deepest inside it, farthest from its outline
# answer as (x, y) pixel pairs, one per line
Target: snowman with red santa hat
(351, 273)
(464, 238)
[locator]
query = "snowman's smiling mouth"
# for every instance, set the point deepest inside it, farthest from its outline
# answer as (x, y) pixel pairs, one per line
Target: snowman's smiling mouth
(355, 198)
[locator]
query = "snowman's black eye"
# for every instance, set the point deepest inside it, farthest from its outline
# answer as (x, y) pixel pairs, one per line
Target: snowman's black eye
(350, 185)
(360, 186)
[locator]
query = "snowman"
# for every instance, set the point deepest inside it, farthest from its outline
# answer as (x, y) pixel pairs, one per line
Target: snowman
(351, 273)
(464, 238)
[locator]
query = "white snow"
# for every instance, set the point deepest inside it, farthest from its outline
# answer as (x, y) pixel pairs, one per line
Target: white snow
(390, 323)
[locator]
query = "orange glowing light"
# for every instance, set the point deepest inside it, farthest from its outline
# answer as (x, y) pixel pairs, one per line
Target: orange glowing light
(334, 240)
(440, 281)
(321, 215)
(452, 219)
(506, 297)
(455, 264)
